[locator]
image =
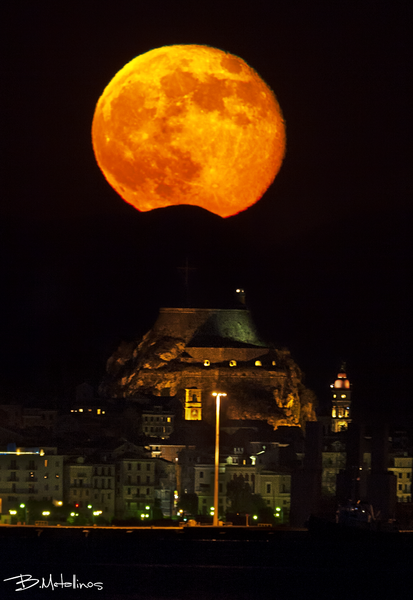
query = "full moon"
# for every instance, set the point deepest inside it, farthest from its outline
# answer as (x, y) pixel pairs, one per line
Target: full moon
(189, 125)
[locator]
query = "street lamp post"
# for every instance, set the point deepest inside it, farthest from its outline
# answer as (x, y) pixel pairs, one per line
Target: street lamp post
(216, 478)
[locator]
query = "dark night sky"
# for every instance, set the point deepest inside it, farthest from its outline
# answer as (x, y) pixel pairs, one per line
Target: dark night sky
(325, 256)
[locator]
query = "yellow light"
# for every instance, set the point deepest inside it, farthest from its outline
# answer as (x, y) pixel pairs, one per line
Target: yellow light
(22, 506)
(46, 513)
(13, 512)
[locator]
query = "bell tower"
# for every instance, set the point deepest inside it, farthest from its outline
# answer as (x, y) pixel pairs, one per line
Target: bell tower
(193, 404)
(341, 402)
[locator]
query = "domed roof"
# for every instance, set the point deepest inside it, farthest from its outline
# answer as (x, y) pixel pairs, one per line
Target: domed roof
(342, 381)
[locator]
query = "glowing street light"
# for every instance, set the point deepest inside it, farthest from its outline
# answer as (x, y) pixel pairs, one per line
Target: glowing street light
(216, 478)
(22, 505)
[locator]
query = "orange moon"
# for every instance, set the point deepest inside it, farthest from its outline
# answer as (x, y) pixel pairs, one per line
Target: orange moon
(189, 125)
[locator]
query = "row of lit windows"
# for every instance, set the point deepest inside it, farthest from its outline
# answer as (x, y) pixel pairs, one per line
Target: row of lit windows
(341, 413)
(157, 419)
(157, 429)
(99, 411)
(233, 363)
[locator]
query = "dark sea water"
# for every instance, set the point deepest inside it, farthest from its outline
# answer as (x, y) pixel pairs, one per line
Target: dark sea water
(203, 563)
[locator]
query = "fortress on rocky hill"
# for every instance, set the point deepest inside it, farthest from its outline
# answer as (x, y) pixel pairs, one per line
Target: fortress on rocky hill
(191, 352)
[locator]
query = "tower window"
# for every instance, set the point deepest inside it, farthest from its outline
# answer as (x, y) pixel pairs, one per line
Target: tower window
(232, 363)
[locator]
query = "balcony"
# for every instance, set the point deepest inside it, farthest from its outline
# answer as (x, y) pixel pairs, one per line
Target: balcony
(18, 491)
(84, 486)
(31, 479)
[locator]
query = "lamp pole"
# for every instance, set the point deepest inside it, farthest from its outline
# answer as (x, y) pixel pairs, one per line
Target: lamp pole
(216, 478)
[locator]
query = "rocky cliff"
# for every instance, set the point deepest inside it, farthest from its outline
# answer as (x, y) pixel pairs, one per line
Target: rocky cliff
(212, 350)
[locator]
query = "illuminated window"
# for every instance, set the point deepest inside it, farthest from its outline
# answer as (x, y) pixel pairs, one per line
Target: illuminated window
(232, 363)
(258, 363)
(98, 411)
(334, 413)
(206, 363)
(45, 462)
(80, 409)
(168, 419)
(343, 396)
(334, 395)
